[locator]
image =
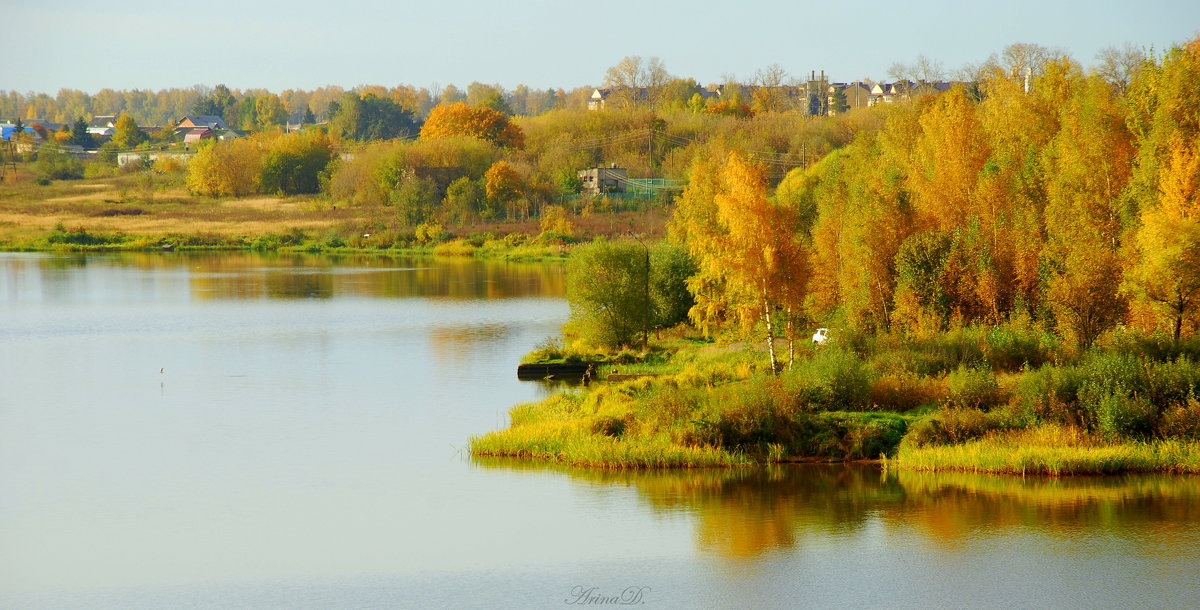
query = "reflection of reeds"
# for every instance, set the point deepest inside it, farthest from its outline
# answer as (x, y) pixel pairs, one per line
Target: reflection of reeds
(1054, 450)
(745, 512)
(1050, 491)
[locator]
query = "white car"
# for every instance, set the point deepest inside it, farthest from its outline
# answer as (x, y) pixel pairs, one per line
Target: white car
(821, 336)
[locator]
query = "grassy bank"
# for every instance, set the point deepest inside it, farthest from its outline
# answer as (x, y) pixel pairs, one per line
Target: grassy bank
(997, 400)
(143, 211)
(1054, 450)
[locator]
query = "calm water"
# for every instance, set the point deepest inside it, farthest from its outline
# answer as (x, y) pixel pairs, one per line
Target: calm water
(230, 430)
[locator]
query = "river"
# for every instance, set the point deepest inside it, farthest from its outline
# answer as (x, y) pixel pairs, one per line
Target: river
(233, 430)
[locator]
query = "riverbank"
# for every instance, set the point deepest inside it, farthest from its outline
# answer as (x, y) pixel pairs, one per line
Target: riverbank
(145, 211)
(979, 400)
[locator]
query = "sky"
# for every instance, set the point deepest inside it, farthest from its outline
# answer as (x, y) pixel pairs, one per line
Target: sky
(304, 44)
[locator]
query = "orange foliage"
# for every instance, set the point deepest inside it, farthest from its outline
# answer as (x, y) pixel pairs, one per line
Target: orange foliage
(730, 108)
(459, 119)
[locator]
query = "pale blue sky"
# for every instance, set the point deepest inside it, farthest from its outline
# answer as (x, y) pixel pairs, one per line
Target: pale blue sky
(155, 44)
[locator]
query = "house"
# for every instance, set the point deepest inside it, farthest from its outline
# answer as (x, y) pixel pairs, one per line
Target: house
(197, 134)
(857, 94)
(597, 180)
(103, 125)
(601, 97)
(42, 125)
(27, 144)
(205, 120)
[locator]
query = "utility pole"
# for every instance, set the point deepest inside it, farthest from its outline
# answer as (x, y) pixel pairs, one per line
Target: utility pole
(650, 146)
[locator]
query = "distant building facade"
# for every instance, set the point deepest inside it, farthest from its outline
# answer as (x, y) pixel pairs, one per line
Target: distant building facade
(599, 180)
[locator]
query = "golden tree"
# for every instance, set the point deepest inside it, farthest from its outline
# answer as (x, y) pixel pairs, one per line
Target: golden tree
(1167, 272)
(459, 119)
(1088, 166)
(756, 252)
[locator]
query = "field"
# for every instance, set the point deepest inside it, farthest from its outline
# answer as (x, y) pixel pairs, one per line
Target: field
(147, 209)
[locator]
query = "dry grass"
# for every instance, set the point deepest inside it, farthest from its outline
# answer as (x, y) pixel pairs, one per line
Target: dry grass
(1052, 450)
(122, 204)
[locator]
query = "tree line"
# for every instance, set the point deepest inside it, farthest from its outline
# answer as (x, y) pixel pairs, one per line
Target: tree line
(1075, 203)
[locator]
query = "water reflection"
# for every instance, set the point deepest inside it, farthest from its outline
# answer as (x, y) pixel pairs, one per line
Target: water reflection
(747, 513)
(952, 507)
(219, 276)
(455, 344)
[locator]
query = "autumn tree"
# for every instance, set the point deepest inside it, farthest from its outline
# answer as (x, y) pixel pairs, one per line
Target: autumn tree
(1167, 272)
(1162, 98)
(745, 248)
(459, 119)
(1088, 167)
(695, 224)
(127, 135)
(226, 169)
(294, 162)
(504, 187)
(370, 117)
(269, 111)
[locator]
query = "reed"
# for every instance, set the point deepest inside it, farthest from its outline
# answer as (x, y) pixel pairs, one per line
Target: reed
(1051, 449)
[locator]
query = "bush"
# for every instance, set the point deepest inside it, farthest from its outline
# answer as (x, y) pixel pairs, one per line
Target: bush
(55, 163)
(834, 379)
(1118, 414)
(1011, 349)
(1181, 421)
(294, 163)
(950, 426)
(972, 388)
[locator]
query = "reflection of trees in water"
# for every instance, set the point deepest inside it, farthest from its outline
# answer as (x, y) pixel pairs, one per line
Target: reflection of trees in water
(743, 513)
(951, 507)
(252, 275)
(455, 343)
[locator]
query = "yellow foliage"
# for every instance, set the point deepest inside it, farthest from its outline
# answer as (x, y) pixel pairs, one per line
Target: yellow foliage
(459, 119)
(224, 169)
(554, 220)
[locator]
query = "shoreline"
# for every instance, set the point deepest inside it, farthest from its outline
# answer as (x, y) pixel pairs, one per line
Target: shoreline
(716, 411)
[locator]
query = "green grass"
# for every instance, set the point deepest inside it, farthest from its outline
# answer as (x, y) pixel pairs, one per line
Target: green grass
(688, 420)
(698, 403)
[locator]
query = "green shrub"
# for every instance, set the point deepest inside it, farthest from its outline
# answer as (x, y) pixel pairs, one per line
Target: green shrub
(55, 163)
(1181, 420)
(949, 426)
(972, 388)
(1009, 349)
(905, 391)
(1118, 414)
(834, 379)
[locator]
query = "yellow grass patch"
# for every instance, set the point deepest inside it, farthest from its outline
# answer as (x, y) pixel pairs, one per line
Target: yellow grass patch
(262, 203)
(97, 196)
